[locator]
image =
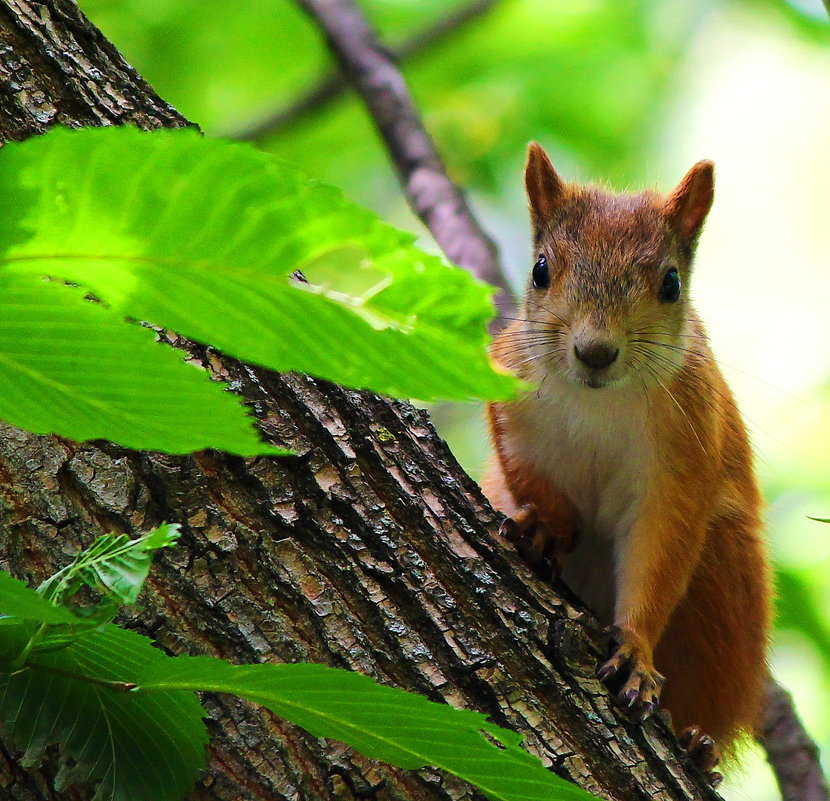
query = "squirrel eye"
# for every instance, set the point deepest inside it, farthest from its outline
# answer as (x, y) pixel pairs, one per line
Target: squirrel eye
(541, 274)
(670, 290)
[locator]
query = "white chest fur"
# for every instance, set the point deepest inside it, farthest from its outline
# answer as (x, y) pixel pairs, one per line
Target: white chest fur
(594, 447)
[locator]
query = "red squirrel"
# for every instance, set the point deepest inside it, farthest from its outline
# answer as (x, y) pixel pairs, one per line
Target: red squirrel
(627, 465)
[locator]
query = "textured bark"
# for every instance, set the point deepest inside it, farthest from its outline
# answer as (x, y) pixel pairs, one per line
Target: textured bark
(56, 68)
(370, 549)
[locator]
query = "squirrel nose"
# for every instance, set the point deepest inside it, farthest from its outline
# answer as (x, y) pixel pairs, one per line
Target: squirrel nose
(596, 354)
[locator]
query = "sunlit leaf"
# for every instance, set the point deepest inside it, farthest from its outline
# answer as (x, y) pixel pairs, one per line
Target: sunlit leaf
(201, 237)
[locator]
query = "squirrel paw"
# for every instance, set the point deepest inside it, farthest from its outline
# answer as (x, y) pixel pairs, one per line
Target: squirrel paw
(634, 680)
(540, 546)
(703, 752)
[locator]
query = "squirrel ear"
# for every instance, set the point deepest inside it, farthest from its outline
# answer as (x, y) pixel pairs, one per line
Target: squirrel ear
(544, 187)
(689, 204)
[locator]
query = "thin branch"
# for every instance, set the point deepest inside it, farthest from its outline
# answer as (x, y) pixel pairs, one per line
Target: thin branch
(439, 203)
(791, 752)
(332, 85)
(328, 88)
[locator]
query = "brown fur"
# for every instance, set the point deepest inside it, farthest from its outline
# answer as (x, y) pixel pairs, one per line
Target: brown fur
(691, 581)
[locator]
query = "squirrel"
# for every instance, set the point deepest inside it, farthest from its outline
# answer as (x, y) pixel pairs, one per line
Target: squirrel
(626, 467)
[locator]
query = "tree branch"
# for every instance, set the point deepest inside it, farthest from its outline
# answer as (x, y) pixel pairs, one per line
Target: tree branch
(332, 85)
(437, 201)
(790, 750)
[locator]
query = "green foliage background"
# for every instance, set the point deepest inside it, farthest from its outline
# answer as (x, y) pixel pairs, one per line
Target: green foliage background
(631, 93)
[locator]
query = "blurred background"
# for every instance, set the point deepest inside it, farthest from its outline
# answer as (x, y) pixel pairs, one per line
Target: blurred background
(631, 94)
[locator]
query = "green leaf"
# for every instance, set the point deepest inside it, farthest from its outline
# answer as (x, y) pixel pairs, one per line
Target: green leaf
(201, 237)
(134, 748)
(819, 519)
(18, 603)
(30, 623)
(380, 722)
(115, 565)
(73, 367)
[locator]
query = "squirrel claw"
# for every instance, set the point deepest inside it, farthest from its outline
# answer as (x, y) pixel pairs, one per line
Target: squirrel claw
(702, 751)
(641, 684)
(510, 530)
(541, 546)
(628, 697)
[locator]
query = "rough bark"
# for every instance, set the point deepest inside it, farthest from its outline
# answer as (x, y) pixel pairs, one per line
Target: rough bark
(370, 549)
(57, 69)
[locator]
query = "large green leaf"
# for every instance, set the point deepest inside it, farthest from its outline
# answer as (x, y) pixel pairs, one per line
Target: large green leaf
(201, 237)
(381, 722)
(74, 367)
(126, 713)
(134, 748)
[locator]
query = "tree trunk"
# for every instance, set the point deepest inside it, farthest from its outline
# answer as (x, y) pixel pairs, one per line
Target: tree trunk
(370, 549)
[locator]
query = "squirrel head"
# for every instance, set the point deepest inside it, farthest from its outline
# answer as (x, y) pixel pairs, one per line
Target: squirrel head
(607, 299)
